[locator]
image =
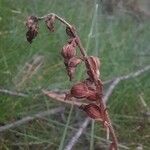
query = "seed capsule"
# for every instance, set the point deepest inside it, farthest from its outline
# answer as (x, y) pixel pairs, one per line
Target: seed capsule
(68, 51)
(79, 90)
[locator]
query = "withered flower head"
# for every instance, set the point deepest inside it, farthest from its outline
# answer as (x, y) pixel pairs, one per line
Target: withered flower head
(92, 110)
(69, 50)
(95, 64)
(50, 20)
(79, 90)
(32, 25)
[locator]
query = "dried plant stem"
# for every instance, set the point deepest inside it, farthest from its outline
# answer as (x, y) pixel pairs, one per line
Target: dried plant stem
(75, 138)
(13, 93)
(30, 118)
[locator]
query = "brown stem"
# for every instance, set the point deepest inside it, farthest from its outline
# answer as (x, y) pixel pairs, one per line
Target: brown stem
(97, 82)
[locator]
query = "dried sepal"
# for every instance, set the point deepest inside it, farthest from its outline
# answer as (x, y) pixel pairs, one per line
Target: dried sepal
(92, 110)
(50, 20)
(93, 65)
(32, 25)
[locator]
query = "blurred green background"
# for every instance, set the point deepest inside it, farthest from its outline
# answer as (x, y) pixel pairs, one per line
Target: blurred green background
(119, 37)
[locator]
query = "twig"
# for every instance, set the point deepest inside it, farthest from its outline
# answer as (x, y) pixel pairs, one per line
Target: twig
(135, 74)
(118, 79)
(75, 138)
(96, 137)
(13, 93)
(128, 76)
(30, 118)
(110, 90)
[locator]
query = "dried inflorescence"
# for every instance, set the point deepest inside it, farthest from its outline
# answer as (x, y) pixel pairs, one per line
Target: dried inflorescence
(91, 88)
(70, 59)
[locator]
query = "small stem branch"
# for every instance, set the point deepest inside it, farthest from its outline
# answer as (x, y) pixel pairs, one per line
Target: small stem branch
(13, 93)
(30, 118)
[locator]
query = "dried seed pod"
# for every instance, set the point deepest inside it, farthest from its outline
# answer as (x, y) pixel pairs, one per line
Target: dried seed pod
(32, 25)
(92, 110)
(50, 20)
(79, 90)
(95, 64)
(68, 51)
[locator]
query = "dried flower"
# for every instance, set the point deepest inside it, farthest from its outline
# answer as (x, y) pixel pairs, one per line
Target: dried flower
(32, 25)
(50, 20)
(79, 90)
(92, 110)
(69, 50)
